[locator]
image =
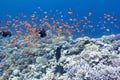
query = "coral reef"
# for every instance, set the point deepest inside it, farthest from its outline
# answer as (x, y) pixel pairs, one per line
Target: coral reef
(81, 59)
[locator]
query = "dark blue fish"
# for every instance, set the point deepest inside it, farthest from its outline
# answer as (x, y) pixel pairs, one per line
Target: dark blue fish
(42, 33)
(6, 33)
(58, 53)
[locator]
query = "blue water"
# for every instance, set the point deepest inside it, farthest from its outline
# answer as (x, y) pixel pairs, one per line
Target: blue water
(81, 7)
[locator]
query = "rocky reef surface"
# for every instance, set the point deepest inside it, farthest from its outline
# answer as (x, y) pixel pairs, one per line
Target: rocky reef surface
(60, 59)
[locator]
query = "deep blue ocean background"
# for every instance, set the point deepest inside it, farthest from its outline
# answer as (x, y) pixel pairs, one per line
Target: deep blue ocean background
(82, 7)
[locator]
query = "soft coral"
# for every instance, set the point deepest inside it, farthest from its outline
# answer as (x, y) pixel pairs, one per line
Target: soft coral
(117, 37)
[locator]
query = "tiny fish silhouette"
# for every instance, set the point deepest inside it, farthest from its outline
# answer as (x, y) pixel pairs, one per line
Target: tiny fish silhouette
(58, 53)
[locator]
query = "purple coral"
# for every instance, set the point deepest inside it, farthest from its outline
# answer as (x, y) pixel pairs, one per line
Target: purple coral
(117, 37)
(98, 72)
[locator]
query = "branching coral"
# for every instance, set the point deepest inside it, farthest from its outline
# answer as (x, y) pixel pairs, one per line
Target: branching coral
(99, 72)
